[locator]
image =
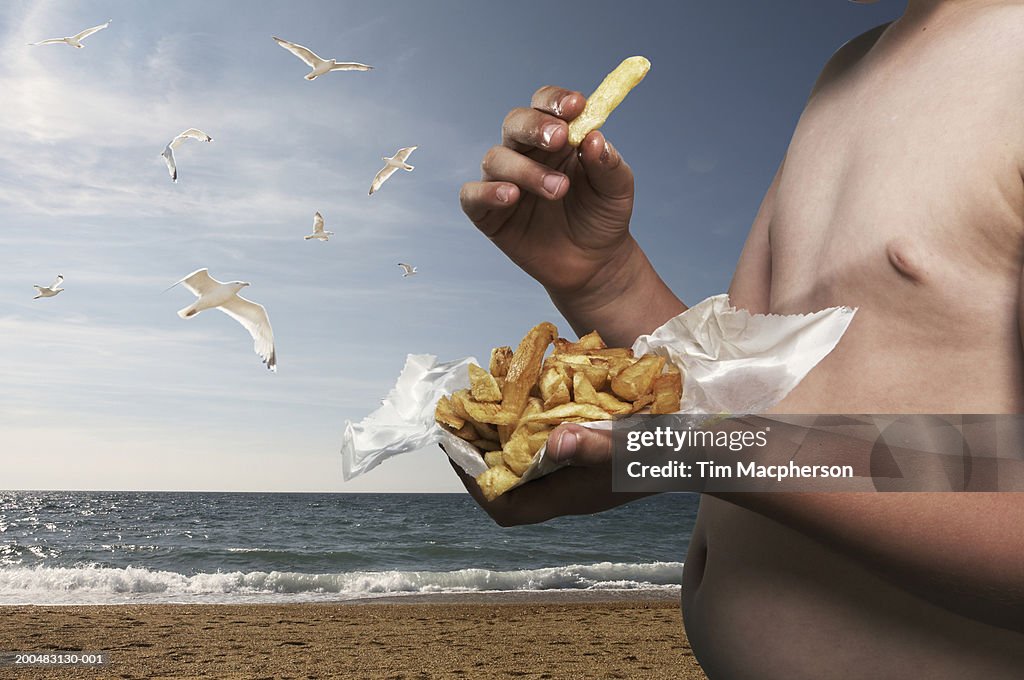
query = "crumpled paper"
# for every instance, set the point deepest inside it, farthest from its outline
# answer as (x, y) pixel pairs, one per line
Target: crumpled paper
(732, 361)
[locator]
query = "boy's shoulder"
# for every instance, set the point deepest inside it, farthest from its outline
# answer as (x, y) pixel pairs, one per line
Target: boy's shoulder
(847, 56)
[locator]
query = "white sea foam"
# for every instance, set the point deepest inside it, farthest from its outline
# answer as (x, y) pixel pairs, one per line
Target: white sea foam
(106, 585)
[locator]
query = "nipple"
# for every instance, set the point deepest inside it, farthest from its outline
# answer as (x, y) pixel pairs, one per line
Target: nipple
(905, 260)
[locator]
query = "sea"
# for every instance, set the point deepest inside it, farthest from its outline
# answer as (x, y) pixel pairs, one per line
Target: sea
(78, 547)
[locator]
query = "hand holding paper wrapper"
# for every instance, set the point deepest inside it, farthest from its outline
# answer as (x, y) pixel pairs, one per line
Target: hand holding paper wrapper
(732, 361)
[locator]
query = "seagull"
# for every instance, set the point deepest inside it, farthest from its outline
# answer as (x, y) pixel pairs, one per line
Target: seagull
(168, 152)
(394, 163)
(318, 229)
(52, 290)
(407, 269)
(75, 40)
(320, 66)
(224, 296)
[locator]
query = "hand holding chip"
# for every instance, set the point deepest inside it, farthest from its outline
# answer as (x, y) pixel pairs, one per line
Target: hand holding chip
(559, 212)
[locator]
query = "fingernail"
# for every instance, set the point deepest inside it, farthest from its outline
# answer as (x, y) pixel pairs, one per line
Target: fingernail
(552, 183)
(605, 153)
(548, 132)
(502, 193)
(562, 104)
(566, 447)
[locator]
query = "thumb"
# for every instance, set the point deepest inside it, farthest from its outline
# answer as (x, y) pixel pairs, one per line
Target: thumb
(609, 176)
(575, 445)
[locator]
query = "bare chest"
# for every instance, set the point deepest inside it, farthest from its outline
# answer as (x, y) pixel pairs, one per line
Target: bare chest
(905, 170)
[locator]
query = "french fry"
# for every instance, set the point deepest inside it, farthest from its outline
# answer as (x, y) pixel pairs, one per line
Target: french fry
(571, 410)
(485, 430)
(609, 352)
(642, 403)
(482, 385)
(444, 414)
(583, 392)
(588, 342)
(634, 382)
(668, 391)
(554, 387)
(501, 357)
(458, 407)
(618, 364)
(613, 405)
(466, 432)
(516, 453)
(496, 481)
(608, 95)
(481, 411)
(536, 440)
(524, 368)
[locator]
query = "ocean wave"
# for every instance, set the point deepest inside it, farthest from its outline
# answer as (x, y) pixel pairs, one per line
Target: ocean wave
(97, 584)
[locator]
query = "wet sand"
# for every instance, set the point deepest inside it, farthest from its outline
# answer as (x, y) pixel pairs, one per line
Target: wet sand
(528, 635)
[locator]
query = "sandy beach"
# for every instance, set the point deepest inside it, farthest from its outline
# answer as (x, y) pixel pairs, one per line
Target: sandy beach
(529, 635)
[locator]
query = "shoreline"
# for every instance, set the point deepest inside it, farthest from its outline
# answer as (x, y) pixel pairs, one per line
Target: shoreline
(523, 633)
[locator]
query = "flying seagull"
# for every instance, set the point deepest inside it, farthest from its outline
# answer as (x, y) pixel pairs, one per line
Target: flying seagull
(407, 269)
(224, 296)
(50, 291)
(168, 152)
(320, 66)
(318, 229)
(75, 40)
(394, 163)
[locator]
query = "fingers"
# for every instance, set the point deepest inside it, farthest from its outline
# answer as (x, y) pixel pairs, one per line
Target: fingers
(505, 165)
(480, 199)
(609, 175)
(525, 129)
(559, 102)
(575, 445)
(543, 126)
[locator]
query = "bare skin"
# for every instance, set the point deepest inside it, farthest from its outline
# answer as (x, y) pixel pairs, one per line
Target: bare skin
(901, 193)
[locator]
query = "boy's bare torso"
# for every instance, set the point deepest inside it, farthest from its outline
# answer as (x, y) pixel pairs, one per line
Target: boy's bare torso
(901, 194)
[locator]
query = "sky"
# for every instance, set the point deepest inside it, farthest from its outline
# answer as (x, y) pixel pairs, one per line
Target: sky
(103, 386)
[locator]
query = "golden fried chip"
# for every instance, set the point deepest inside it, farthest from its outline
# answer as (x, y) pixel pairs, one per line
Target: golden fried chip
(610, 352)
(501, 357)
(538, 439)
(609, 94)
(582, 391)
(457, 403)
(613, 405)
(516, 453)
(493, 458)
(567, 411)
(482, 385)
(554, 387)
(485, 430)
(466, 432)
(482, 412)
(504, 432)
(487, 446)
(444, 414)
(496, 481)
(524, 368)
(588, 342)
(617, 365)
(668, 391)
(634, 382)
(642, 403)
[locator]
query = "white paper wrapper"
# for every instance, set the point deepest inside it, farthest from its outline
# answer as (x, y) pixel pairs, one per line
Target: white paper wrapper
(732, 362)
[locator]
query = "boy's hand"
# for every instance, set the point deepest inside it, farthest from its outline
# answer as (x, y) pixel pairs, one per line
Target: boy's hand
(582, 488)
(562, 214)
